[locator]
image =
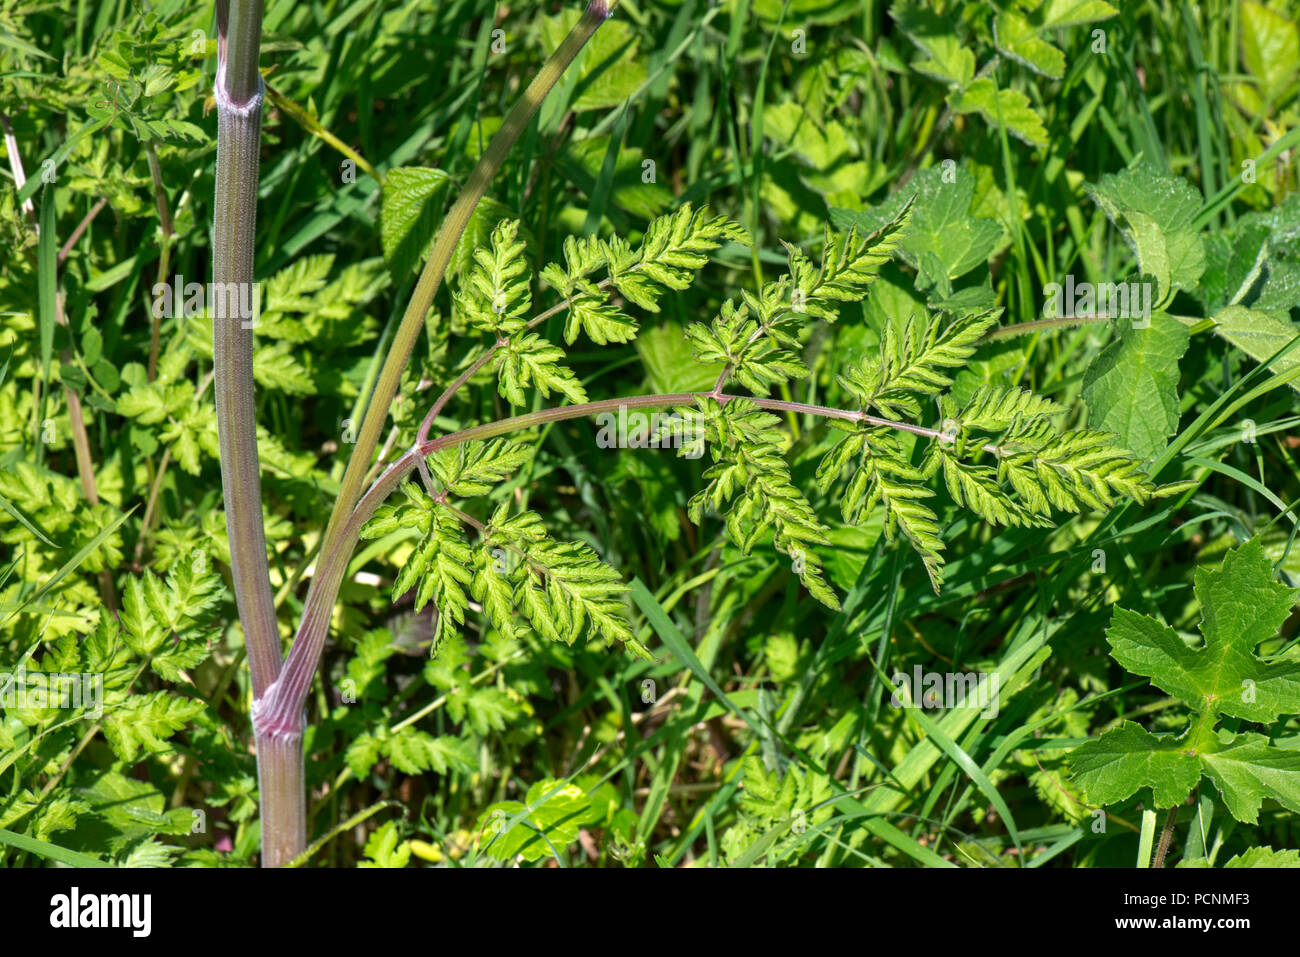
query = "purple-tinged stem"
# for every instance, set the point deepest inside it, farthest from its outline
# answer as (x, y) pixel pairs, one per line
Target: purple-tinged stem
(284, 706)
(238, 93)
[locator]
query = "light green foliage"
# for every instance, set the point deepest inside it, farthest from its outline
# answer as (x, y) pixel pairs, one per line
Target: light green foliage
(1024, 34)
(883, 407)
(1155, 212)
(750, 483)
(164, 621)
(384, 850)
(495, 294)
(1001, 107)
(609, 70)
(947, 59)
(439, 564)
(149, 66)
(1132, 388)
(673, 249)
(548, 821)
(756, 339)
(166, 626)
(943, 55)
(561, 589)
(945, 239)
(787, 805)
(530, 360)
(1001, 456)
(1241, 606)
(410, 751)
(473, 468)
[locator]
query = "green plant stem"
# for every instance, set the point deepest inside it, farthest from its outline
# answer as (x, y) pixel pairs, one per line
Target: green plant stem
(278, 709)
(449, 235)
(238, 92)
(340, 533)
(1166, 838)
(239, 124)
(283, 797)
(1037, 325)
(329, 576)
(164, 258)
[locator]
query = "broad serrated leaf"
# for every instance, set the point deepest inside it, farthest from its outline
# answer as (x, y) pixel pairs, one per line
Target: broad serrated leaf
(1260, 335)
(1156, 212)
(1132, 387)
(1009, 108)
(1241, 606)
(409, 215)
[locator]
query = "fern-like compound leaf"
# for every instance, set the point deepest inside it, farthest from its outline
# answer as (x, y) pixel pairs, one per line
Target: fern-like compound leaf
(496, 294)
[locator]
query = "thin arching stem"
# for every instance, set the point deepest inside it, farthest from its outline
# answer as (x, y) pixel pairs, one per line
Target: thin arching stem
(281, 710)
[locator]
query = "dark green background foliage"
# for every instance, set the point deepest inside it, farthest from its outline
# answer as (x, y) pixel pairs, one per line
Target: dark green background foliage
(1022, 142)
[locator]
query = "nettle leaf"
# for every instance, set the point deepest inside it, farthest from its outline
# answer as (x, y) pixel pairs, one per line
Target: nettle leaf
(608, 70)
(1007, 108)
(1259, 335)
(1253, 264)
(1132, 387)
(944, 241)
(946, 58)
(1020, 36)
(1270, 42)
(1156, 211)
(1264, 857)
(409, 215)
(1241, 605)
(831, 158)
